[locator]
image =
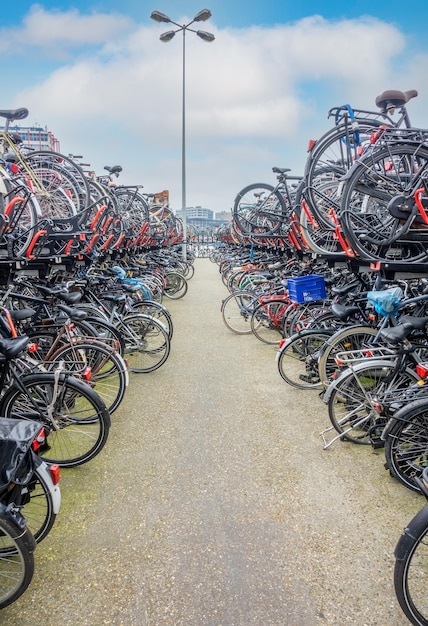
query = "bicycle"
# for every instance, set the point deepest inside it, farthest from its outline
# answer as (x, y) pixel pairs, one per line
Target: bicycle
(76, 419)
(261, 208)
(358, 399)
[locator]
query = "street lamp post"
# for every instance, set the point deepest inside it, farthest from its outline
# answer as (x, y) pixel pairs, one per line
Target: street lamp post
(202, 16)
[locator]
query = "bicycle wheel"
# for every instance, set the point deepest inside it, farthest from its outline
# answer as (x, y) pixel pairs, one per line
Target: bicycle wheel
(236, 311)
(132, 207)
(156, 310)
(318, 237)
(376, 204)
(147, 342)
(305, 315)
(352, 338)
(175, 285)
(355, 399)
(61, 187)
(333, 155)
(75, 416)
(23, 213)
(259, 208)
(297, 359)
(107, 331)
(406, 446)
(411, 569)
(99, 366)
(267, 321)
(16, 560)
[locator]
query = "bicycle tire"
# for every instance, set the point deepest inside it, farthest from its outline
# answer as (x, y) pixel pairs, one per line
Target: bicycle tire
(156, 310)
(175, 285)
(236, 311)
(318, 237)
(16, 561)
(406, 446)
(259, 208)
(64, 188)
(376, 184)
(108, 372)
(333, 155)
(107, 331)
(267, 321)
(304, 316)
(411, 569)
(22, 219)
(147, 343)
(297, 359)
(80, 422)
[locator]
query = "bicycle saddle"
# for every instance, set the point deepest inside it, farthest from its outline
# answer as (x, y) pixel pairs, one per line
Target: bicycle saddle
(115, 169)
(14, 114)
(394, 98)
(10, 348)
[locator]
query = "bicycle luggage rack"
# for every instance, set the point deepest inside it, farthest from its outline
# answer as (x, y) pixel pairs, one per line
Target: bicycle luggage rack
(353, 357)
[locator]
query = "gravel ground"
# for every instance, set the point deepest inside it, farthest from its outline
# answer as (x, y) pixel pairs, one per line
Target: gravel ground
(215, 504)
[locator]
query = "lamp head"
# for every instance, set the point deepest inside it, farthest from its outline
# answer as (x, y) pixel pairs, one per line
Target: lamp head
(202, 16)
(167, 36)
(205, 36)
(159, 17)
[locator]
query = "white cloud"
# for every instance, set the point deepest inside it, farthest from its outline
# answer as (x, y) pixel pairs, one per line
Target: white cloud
(56, 31)
(254, 96)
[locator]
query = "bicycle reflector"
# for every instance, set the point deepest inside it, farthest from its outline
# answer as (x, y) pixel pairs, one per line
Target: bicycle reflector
(40, 440)
(422, 370)
(87, 373)
(55, 473)
(33, 347)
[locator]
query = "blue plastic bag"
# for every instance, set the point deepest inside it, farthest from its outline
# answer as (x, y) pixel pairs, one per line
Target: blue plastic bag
(386, 301)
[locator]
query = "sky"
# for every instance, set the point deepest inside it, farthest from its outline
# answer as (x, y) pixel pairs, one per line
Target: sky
(97, 75)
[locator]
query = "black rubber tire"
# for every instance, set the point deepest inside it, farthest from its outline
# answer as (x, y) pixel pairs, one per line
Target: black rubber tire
(259, 208)
(16, 561)
(147, 342)
(406, 447)
(411, 569)
(297, 359)
(108, 374)
(236, 311)
(365, 215)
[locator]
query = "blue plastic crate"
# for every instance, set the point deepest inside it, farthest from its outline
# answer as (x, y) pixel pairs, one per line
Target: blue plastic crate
(306, 288)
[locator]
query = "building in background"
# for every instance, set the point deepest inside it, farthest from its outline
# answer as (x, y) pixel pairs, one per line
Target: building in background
(202, 224)
(36, 137)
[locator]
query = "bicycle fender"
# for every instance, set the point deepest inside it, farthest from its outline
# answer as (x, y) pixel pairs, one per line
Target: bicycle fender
(411, 534)
(345, 374)
(400, 415)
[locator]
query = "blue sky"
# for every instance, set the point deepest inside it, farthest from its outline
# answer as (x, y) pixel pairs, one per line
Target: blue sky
(97, 75)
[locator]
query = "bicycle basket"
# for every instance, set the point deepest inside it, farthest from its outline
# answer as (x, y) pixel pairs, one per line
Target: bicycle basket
(387, 301)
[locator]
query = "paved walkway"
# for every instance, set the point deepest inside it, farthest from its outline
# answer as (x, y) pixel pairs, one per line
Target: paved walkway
(214, 503)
